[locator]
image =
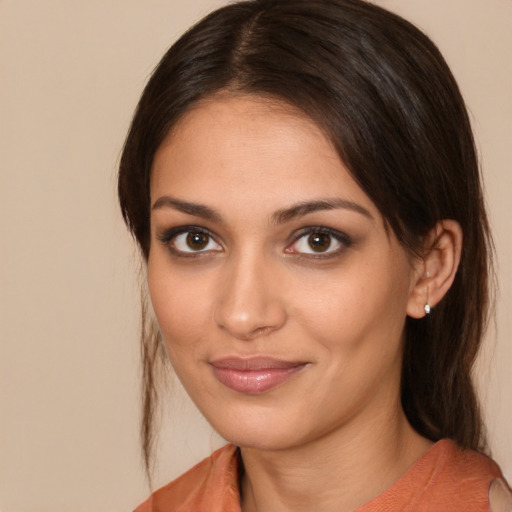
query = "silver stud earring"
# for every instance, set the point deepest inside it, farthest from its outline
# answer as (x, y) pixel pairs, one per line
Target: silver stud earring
(427, 309)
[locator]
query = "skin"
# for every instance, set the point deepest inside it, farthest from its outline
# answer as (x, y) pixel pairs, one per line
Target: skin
(333, 436)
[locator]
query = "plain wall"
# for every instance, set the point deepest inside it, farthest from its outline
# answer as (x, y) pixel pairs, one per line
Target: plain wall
(71, 73)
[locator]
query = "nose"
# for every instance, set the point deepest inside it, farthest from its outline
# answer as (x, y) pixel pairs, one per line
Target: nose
(249, 303)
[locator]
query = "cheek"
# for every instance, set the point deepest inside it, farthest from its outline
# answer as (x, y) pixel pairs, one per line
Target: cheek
(358, 310)
(181, 306)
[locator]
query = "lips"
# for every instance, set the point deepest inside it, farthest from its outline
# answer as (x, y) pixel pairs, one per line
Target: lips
(254, 375)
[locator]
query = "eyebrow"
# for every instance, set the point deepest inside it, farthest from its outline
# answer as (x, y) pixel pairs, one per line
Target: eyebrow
(301, 209)
(279, 217)
(195, 209)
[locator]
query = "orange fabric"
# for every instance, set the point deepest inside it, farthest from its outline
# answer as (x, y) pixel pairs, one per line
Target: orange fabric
(445, 479)
(210, 486)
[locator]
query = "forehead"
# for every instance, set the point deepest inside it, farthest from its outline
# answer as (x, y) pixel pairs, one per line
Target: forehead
(229, 148)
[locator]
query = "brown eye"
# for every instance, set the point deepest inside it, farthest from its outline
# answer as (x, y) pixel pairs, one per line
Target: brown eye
(319, 242)
(191, 241)
(197, 241)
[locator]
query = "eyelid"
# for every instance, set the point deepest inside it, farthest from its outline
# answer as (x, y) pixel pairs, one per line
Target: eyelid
(168, 235)
(339, 236)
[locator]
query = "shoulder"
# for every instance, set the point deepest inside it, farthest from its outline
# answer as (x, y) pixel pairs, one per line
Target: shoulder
(459, 479)
(447, 477)
(210, 485)
(466, 467)
(480, 476)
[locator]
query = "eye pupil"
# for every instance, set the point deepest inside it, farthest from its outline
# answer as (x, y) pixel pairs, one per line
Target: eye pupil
(319, 242)
(197, 241)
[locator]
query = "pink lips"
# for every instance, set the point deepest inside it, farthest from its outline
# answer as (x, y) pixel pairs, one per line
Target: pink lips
(254, 375)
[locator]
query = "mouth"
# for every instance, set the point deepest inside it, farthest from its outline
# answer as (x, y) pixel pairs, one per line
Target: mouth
(254, 375)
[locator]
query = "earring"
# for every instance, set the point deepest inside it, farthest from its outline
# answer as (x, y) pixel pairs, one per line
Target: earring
(427, 305)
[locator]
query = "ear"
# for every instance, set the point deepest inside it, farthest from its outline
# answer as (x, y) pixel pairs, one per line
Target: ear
(435, 270)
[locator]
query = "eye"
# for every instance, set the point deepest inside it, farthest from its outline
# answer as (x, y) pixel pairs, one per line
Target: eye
(319, 242)
(316, 243)
(187, 241)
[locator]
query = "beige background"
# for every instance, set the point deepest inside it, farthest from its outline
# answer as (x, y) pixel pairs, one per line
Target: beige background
(71, 72)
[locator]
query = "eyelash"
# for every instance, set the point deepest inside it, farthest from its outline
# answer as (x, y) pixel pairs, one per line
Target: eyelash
(342, 239)
(169, 237)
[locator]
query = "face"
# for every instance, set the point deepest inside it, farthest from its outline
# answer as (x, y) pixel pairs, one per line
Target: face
(280, 295)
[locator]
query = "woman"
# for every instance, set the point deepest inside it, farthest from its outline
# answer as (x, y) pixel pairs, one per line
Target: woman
(302, 181)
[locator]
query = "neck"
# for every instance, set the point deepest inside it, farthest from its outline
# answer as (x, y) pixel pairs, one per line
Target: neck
(340, 471)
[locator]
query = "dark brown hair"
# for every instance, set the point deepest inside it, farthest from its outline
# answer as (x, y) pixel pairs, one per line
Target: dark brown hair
(385, 97)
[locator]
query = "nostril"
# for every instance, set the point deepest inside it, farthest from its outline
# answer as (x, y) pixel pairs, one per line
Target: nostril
(247, 321)
(260, 332)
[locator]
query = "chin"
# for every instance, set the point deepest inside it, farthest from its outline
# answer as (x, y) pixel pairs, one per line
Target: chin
(266, 441)
(260, 430)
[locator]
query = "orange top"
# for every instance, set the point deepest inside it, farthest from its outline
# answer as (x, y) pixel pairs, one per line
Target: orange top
(445, 479)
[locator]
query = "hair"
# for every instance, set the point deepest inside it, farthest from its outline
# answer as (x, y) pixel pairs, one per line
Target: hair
(386, 99)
